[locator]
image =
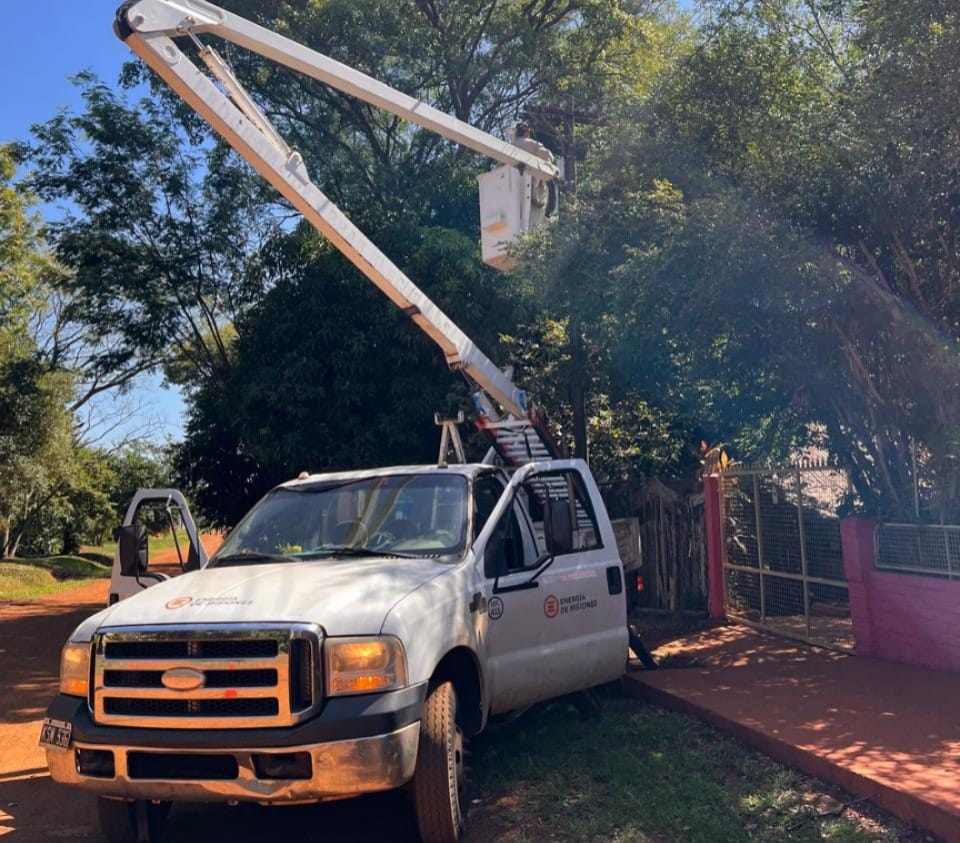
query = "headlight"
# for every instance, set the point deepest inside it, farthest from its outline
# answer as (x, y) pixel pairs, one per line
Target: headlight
(364, 665)
(75, 669)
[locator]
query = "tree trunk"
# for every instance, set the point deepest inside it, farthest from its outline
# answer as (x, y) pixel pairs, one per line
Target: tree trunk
(577, 397)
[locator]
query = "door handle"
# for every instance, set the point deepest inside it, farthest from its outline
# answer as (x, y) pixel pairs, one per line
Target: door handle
(614, 579)
(520, 586)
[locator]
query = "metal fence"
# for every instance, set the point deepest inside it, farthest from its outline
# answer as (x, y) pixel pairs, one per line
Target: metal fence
(932, 549)
(783, 564)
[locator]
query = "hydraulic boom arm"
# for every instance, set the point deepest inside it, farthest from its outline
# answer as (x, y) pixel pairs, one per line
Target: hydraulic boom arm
(149, 28)
(147, 19)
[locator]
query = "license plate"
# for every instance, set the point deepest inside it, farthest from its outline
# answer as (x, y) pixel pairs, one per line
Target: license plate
(55, 733)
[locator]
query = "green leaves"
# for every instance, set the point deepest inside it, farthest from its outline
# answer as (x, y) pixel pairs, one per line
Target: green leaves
(158, 232)
(766, 249)
(763, 247)
(328, 375)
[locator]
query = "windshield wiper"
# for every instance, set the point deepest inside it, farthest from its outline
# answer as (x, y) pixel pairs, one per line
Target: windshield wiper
(347, 550)
(250, 556)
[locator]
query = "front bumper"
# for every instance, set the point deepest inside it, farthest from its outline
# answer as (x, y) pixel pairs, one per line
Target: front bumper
(372, 759)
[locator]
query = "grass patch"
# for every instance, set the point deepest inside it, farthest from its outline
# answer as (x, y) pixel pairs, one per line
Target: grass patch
(69, 567)
(156, 544)
(27, 579)
(104, 551)
(100, 557)
(163, 542)
(639, 774)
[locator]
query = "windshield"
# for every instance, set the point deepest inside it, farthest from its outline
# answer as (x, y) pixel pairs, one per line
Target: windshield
(421, 515)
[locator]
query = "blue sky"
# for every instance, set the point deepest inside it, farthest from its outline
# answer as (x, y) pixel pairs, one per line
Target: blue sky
(47, 41)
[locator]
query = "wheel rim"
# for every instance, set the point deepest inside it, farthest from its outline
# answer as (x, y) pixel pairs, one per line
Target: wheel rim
(458, 754)
(459, 766)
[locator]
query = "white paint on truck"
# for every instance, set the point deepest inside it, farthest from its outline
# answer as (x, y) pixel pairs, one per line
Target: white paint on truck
(425, 592)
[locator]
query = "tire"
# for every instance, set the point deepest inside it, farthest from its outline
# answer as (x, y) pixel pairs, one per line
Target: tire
(118, 819)
(438, 782)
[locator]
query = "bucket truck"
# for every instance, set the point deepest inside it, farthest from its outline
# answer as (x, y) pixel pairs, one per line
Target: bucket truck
(356, 628)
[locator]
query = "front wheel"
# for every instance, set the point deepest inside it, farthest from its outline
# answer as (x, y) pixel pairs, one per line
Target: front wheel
(118, 819)
(438, 783)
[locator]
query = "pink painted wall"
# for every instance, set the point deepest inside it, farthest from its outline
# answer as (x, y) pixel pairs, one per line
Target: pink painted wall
(901, 617)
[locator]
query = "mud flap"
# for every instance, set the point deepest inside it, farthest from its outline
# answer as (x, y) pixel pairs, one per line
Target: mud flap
(638, 647)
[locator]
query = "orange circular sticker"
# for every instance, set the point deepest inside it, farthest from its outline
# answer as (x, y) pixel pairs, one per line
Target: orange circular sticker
(178, 602)
(551, 606)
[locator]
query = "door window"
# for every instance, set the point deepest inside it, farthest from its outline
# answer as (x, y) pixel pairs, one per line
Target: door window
(486, 493)
(514, 533)
(169, 546)
(560, 512)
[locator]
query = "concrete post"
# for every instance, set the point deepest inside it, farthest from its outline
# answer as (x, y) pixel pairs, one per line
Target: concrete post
(714, 540)
(856, 541)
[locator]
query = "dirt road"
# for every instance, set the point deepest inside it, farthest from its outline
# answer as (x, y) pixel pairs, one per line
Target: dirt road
(34, 809)
(31, 806)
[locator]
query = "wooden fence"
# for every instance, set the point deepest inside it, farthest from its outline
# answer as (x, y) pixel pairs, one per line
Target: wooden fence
(672, 549)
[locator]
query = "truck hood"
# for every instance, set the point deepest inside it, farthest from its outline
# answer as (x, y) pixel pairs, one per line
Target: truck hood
(344, 596)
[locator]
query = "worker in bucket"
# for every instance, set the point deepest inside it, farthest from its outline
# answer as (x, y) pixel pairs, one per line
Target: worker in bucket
(541, 191)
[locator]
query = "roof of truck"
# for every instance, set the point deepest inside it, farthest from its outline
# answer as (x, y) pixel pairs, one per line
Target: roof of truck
(464, 469)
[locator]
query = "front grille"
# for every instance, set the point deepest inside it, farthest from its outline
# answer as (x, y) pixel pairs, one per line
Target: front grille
(181, 766)
(211, 676)
(191, 708)
(214, 678)
(192, 649)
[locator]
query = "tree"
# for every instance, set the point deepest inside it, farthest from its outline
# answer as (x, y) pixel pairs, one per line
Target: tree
(483, 62)
(35, 428)
(24, 267)
(140, 467)
(35, 444)
(845, 125)
(158, 234)
(330, 376)
(658, 277)
(178, 253)
(767, 252)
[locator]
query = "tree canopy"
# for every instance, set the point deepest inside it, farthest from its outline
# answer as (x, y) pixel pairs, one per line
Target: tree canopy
(40, 476)
(762, 248)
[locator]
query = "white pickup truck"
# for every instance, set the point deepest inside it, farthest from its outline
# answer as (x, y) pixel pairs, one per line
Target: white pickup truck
(350, 633)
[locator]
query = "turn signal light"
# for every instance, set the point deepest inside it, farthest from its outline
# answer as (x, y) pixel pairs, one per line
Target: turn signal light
(359, 684)
(75, 669)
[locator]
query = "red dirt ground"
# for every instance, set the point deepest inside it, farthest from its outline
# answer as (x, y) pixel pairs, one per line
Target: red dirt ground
(881, 730)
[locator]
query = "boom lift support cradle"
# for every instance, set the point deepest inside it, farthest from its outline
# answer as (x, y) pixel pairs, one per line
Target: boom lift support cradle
(149, 28)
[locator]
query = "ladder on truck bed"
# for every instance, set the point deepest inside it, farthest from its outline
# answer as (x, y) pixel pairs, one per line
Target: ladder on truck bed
(150, 27)
(517, 441)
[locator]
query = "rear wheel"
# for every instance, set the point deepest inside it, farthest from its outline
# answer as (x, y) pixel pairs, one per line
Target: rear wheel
(438, 783)
(118, 819)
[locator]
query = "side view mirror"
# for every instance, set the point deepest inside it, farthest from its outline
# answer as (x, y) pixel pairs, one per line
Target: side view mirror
(193, 558)
(132, 548)
(495, 556)
(559, 527)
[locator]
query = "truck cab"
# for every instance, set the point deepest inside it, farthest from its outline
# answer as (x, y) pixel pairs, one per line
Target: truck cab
(350, 634)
